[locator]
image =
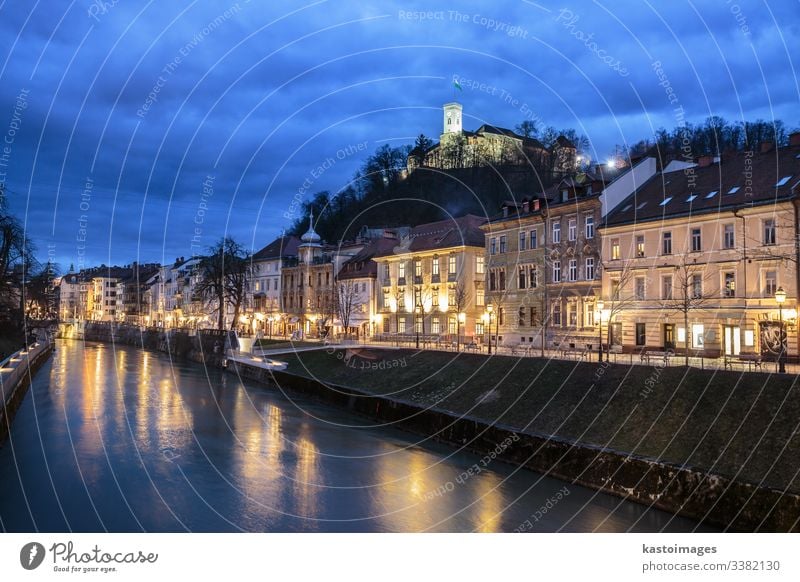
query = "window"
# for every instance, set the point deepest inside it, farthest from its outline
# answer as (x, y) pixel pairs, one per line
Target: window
(503, 244)
(691, 198)
(387, 301)
(386, 276)
(502, 279)
(533, 277)
(401, 270)
(435, 266)
(666, 243)
(588, 314)
(589, 269)
(770, 283)
(666, 287)
(533, 318)
(769, 231)
(556, 271)
(451, 297)
(573, 270)
(733, 190)
(572, 314)
(697, 286)
(521, 317)
(533, 242)
(418, 268)
(589, 227)
(711, 194)
(557, 314)
(697, 243)
(451, 264)
(638, 288)
(480, 298)
(615, 289)
(728, 237)
(556, 232)
(522, 240)
(614, 249)
(435, 325)
(492, 281)
(572, 229)
(418, 324)
(452, 326)
(698, 335)
(782, 181)
(641, 335)
(665, 201)
(480, 265)
(479, 329)
(501, 316)
(493, 246)
(401, 325)
(522, 277)
(729, 289)
(639, 245)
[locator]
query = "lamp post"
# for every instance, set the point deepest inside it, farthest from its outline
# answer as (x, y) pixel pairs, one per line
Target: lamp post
(780, 298)
(599, 315)
(489, 310)
(417, 320)
(462, 319)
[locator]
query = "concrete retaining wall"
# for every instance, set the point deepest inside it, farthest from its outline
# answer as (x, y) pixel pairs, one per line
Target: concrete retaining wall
(14, 382)
(686, 491)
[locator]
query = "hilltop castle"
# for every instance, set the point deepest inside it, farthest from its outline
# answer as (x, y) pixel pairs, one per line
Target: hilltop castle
(491, 145)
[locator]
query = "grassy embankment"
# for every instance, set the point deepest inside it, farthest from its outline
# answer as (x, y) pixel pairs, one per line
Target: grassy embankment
(741, 425)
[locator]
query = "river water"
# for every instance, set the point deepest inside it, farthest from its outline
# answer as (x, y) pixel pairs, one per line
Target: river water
(112, 438)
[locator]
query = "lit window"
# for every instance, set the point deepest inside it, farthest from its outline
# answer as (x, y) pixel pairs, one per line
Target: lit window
(640, 245)
(614, 249)
(480, 265)
(729, 289)
(698, 335)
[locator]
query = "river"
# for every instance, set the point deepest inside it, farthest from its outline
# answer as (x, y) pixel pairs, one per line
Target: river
(112, 438)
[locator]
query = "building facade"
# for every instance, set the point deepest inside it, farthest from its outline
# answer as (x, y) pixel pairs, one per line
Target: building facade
(694, 258)
(432, 281)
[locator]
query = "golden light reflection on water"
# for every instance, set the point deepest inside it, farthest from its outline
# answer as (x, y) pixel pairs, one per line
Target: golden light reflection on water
(488, 510)
(306, 477)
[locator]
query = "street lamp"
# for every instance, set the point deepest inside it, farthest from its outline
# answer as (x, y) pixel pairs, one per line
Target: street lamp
(417, 320)
(489, 310)
(780, 298)
(599, 315)
(462, 319)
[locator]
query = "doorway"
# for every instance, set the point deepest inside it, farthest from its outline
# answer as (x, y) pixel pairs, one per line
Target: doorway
(732, 339)
(669, 336)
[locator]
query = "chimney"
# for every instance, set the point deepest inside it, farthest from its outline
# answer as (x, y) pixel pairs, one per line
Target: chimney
(767, 147)
(704, 161)
(794, 138)
(535, 205)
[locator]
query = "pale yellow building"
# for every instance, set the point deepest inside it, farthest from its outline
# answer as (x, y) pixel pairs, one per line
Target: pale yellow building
(694, 258)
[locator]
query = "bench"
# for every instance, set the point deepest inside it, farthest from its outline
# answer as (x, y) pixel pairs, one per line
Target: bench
(472, 347)
(570, 352)
(656, 355)
(752, 360)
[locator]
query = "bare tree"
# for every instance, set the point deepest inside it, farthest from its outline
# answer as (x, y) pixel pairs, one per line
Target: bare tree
(461, 297)
(223, 278)
(619, 299)
(348, 301)
(687, 294)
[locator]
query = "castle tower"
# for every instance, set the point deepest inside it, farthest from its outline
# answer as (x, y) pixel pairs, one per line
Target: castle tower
(310, 247)
(452, 118)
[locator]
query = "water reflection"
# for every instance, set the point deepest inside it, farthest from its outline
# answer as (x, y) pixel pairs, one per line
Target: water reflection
(131, 441)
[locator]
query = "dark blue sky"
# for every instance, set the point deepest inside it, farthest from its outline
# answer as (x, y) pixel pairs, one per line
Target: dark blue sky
(147, 101)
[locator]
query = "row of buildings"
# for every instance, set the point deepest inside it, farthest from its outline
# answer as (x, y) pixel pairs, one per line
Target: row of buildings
(689, 256)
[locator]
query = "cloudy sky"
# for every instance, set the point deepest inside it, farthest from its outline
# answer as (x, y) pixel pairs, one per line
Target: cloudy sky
(146, 130)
